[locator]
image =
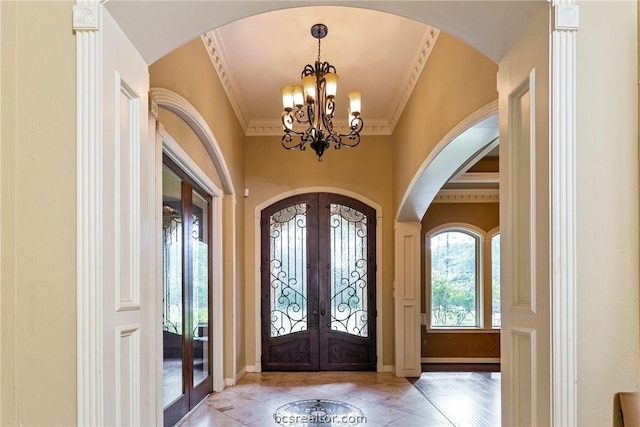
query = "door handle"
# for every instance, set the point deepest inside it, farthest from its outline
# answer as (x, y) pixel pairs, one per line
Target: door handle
(315, 310)
(322, 311)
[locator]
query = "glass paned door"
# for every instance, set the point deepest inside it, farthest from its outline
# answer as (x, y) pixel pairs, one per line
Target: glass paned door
(318, 284)
(172, 320)
(186, 293)
(200, 297)
(288, 270)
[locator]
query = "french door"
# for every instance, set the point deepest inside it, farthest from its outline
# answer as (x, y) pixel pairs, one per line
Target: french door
(186, 323)
(318, 273)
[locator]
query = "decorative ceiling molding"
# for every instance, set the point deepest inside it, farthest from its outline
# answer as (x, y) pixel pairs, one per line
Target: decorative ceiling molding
(477, 178)
(467, 196)
(216, 50)
(429, 40)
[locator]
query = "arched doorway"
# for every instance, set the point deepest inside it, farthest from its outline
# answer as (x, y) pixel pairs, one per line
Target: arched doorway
(318, 271)
(90, 43)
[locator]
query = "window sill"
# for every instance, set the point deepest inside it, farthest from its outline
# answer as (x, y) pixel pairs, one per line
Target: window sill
(463, 331)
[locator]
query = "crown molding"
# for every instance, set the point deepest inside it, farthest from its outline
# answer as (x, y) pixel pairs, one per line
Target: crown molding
(428, 41)
(477, 178)
(467, 196)
(217, 54)
(219, 59)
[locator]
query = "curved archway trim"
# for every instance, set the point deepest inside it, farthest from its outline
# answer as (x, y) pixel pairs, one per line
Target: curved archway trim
(182, 108)
(454, 149)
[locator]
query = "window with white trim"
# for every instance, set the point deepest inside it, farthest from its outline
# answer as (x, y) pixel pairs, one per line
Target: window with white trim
(463, 277)
(455, 281)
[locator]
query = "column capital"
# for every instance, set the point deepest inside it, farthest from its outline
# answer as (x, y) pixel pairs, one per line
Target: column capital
(567, 17)
(86, 17)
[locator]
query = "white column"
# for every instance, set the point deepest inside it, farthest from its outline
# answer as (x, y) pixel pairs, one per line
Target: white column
(86, 24)
(563, 212)
(407, 299)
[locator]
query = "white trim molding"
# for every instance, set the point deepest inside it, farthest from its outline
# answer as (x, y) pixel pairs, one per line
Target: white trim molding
(467, 196)
(187, 112)
(451, 153)
(373, 126)
(257, 246)
(563, 213)
(86, 24)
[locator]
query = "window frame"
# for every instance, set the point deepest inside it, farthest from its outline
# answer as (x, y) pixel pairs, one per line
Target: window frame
(483, 277)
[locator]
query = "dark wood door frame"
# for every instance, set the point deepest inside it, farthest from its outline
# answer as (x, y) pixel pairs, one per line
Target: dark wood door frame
(192, 394)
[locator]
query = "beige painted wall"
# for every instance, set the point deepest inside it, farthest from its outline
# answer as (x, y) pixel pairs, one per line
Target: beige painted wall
(188, 72)
(38, 228)
(37, 286)
(456, 81)
(365, 170)
(485, 216)
(189, 141)
(607, 208)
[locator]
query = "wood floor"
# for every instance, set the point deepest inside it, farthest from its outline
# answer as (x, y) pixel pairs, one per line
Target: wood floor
(436, 399)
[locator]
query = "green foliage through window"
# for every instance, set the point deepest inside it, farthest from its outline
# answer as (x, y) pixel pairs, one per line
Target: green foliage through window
(453, 279)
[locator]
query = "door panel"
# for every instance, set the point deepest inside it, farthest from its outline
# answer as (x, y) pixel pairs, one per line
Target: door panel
(318, 284)
(347, 264)
(523, 86)
(289, 273)
(127, 233)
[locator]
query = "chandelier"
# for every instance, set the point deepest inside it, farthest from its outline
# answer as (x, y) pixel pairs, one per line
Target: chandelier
(312, 104)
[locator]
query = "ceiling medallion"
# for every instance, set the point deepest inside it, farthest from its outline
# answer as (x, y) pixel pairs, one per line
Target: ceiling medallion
(313, 104)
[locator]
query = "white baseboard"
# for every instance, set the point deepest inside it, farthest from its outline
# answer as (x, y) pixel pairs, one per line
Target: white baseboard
(252, 368)
(229, 382)
(388, 368)
(460, 360)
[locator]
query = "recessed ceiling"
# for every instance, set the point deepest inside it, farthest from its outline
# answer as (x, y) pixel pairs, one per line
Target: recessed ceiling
(256, 56)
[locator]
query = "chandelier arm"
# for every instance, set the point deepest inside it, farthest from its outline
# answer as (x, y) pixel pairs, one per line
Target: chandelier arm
(300, 116)
(349, 141)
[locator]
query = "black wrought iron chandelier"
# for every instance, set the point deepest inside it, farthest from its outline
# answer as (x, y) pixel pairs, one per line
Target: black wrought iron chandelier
(313, 104)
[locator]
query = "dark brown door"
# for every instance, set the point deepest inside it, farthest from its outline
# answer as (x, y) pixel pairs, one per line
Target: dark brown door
(186, 324)
(318, 273)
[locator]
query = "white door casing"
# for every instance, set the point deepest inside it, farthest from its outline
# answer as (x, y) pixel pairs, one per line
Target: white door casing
(523, 87)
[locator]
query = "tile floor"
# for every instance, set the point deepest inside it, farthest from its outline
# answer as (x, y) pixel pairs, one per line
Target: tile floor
(384, 399)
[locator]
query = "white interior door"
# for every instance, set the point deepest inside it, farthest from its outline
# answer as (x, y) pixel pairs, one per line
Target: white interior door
(128, 233)
(523, 86)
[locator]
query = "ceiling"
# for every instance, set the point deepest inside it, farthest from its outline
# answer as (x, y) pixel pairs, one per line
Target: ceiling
(255, 58)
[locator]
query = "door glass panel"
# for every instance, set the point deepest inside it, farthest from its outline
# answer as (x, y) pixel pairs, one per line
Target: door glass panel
(288, 268)
(348, 230)
(200, 300)
(172, 286)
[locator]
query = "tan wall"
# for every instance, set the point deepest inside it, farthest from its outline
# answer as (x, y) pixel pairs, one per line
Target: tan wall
(189, 141)
(607, 208)
(456, 81)
(188, 72)
(365, 170)
(485, 216)
(38, 223)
